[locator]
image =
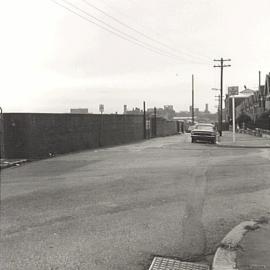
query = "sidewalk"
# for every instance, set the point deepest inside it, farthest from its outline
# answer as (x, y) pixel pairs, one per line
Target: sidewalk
(245, 247)
(242, 141)
(256, 250)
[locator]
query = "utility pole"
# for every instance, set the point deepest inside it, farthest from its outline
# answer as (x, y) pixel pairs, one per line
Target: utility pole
(155, 121)
(262, 98)
(2, 151)
(259, 80)
(217, 98)
(192, 105)
(221, 66)
(144, 121)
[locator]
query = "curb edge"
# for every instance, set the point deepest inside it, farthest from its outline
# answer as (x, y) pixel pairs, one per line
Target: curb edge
(225, 256)
(13, 163)
(241, 146)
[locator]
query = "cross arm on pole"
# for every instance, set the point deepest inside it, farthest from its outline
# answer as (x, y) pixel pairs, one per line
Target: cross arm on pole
(219, 60)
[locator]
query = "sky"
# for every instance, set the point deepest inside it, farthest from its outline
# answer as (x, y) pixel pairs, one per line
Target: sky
(53, 60)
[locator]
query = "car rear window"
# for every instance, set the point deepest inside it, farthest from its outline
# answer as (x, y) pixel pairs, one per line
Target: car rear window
(204, 127)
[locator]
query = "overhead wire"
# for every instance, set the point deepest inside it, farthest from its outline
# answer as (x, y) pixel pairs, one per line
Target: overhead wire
(205, 57)
(125, 34)
(188, 54)
(113, 30)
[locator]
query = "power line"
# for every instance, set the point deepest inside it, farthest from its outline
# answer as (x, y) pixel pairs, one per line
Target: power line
(207, 58)
(139, 32)
(115, 31)
(112, 32)
(119, 31)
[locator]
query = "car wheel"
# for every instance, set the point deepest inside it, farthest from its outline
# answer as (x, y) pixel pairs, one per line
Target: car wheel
(192, 140)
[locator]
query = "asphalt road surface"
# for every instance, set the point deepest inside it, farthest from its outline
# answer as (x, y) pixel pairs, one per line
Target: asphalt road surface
(116, 208)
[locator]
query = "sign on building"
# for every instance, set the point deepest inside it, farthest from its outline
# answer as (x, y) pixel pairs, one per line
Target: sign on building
(233, 90)
(101, 108)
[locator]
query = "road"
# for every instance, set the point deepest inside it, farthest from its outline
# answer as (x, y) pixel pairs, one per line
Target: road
(115, 208)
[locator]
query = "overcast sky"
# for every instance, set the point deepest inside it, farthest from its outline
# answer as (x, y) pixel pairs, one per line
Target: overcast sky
(53, 60)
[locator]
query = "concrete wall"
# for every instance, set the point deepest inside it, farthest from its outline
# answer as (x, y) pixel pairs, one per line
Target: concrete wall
(32, 135)
(40, 135)
(165, 127)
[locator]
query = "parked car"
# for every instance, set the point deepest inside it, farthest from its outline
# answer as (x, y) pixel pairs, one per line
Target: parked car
(204, 132)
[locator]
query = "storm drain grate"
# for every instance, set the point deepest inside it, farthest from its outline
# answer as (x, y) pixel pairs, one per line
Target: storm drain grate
(160, 263)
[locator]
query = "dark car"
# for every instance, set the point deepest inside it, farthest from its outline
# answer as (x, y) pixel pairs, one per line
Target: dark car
(204, 132)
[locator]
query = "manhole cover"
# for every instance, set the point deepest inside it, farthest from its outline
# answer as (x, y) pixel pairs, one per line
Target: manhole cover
(160, 263)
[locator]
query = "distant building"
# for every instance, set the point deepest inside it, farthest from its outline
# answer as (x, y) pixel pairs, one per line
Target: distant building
(134, 111)
(247, 92)
(206, 108)
(166, 112)
(196, 110)
(198, 116)
(168, 107)
(239, 99)
(79, 110)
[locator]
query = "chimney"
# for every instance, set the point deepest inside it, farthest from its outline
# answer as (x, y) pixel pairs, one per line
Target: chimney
(206, 108)
(125, 109)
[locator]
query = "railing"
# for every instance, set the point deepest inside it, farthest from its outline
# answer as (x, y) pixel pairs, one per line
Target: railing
(259, 132)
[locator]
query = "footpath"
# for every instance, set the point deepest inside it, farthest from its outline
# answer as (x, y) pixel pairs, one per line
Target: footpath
(256, 249)
(245, 247)
(242, 141)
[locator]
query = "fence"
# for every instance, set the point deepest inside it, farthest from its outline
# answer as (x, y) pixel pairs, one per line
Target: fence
(256, 132)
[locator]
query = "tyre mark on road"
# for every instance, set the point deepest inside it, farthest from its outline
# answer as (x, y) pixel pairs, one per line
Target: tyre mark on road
(49, 222)
(194, 237)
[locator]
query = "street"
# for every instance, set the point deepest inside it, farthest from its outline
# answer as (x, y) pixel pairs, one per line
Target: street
(115, 208)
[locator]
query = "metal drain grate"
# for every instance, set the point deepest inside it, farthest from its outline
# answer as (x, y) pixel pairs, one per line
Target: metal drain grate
(160, 263)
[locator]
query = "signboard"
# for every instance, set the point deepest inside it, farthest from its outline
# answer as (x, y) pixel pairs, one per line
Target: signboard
(101, 108)
(233, 90)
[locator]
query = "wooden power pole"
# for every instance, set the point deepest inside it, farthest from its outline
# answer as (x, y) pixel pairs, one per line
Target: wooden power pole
(192, 103)
(221, 66)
